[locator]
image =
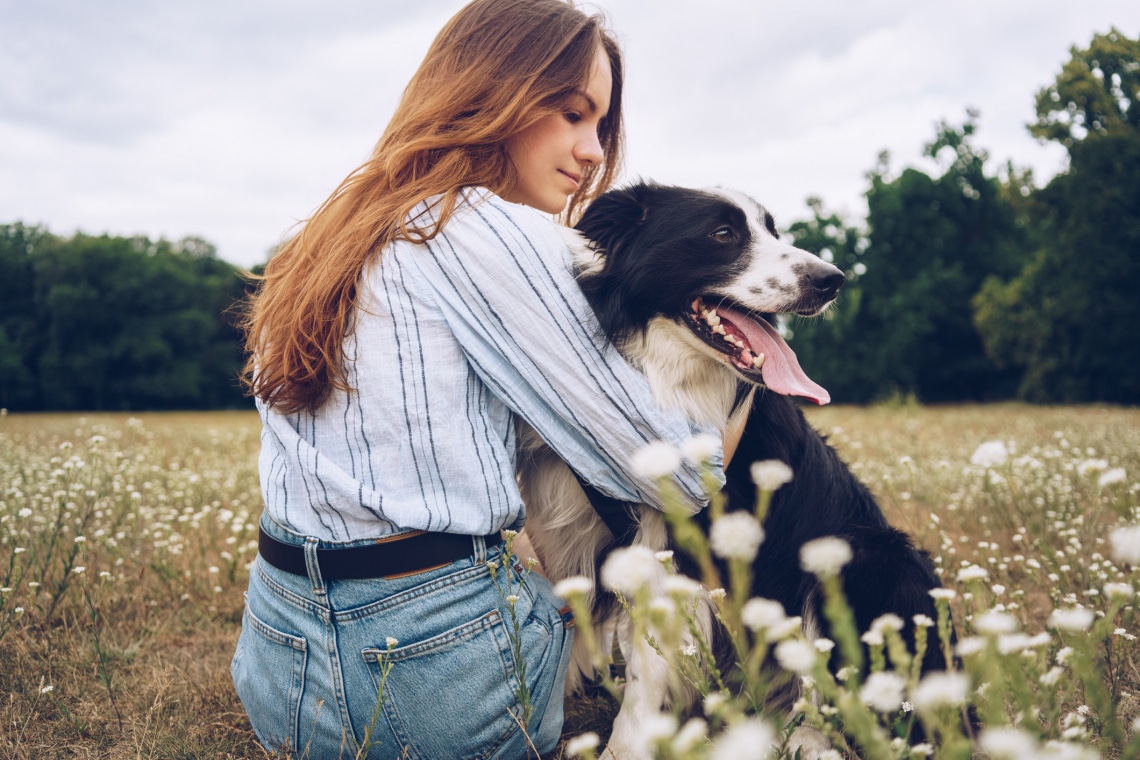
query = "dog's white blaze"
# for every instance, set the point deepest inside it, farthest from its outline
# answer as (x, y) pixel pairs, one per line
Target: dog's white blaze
(771, 282)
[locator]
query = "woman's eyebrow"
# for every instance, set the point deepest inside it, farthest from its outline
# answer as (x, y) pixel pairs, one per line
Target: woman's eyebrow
(587, 98)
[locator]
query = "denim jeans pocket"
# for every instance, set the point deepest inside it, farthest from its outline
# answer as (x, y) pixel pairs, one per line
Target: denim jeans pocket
(268, 669)
(452, 695)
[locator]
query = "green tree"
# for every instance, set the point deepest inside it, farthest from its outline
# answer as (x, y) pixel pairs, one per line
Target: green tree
(826, 345)
(128, 323)
(1066, 321)
(19, 331)
(905, 325)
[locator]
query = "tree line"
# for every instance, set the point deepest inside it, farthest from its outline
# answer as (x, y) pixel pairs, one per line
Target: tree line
(964, 284)
(116, 323)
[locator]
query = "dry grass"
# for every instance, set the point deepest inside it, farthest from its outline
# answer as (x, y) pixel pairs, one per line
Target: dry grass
(166, 506)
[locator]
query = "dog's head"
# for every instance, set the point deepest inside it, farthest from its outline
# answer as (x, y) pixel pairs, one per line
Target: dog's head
(712, 261)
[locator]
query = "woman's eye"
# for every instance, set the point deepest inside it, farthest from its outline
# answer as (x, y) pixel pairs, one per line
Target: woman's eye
(573, 117)
(723, 235)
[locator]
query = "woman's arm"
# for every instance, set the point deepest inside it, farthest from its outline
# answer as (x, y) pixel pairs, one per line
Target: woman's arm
(504, 281)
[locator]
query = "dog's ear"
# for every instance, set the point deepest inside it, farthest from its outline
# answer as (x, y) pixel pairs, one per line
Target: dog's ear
(614, 218)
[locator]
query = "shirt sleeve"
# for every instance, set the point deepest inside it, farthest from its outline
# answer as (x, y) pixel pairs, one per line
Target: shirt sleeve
(504, 280)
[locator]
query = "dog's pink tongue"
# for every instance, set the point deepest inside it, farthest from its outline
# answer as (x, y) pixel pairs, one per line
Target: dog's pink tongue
(782, 372)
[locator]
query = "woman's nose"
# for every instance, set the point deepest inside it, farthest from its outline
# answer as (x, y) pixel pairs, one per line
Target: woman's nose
(588, 150)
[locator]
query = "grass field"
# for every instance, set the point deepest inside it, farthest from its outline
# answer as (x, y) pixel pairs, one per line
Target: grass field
(125, 540)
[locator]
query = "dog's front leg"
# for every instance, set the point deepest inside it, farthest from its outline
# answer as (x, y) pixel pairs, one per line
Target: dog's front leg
(647, 683)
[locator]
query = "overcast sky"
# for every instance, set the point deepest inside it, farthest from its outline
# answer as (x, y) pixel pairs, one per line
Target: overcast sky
(233, 120)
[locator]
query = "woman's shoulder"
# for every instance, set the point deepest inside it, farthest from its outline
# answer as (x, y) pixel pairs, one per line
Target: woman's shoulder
(484, 217)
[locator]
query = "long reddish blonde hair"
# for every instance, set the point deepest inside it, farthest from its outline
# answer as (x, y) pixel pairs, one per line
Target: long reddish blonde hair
(497, 67)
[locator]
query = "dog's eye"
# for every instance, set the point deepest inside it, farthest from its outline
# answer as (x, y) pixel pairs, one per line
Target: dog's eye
(723, 235)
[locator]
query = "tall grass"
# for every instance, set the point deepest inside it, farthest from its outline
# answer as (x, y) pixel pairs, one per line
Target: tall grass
(125, 543)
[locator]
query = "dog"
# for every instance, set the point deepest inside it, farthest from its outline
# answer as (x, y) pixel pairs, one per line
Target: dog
(688, 285)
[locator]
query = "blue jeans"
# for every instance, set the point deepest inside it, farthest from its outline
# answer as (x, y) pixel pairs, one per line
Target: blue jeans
(310, 663)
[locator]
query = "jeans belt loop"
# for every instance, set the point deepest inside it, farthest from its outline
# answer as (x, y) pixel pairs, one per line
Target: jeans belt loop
(313, 565)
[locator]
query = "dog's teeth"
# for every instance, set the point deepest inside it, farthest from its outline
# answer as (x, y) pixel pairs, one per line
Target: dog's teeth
(697, 304)
(718, 329)
(758, 361)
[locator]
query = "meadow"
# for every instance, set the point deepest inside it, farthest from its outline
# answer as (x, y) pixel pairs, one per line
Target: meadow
(125, 542)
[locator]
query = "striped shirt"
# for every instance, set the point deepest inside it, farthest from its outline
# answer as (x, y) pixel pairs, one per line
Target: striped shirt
(451, 339)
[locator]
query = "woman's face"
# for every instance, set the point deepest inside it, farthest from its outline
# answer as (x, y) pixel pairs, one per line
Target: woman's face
(550, 154)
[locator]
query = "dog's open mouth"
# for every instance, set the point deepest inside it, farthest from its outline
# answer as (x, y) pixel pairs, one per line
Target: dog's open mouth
(754, 348)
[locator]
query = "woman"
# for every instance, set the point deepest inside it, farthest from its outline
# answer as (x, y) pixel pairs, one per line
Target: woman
(425, 303)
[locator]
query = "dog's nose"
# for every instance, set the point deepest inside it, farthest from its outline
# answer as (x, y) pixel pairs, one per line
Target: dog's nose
(828, 283)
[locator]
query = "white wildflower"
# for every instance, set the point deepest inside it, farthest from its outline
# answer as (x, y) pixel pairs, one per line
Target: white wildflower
(883, 691)
(655, 729)
(972, 573)
(762, 614)
(751, 739)
(25, 512)
(391, 642)
(970, 645)
(992, 622)
(796, 655)
(1008, 744)
(1053, 676)
(1118, 591)
(1071, 619)
(923, 621)
(691, 736)
(656, 460)
(873, 638)
(939, 690)
(888, 622)
(575, 585)
(736, 535)
(1092, 465)
(825, 557)
(1063, 655)
(582, 744)
(990, 454)
(1111, 477)
(823, 646)
(681, 586)
(629, 568)
(664, 557)
(701, 448)
(714, 702)
(785, 629)
(78, 570)
(770, 474)
(1126, 544)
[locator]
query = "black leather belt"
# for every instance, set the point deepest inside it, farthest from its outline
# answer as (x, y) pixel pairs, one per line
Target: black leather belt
(404, 554)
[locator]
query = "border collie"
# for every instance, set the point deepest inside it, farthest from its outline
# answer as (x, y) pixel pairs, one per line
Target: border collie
(688, 284)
